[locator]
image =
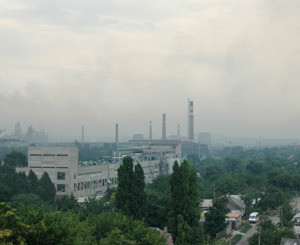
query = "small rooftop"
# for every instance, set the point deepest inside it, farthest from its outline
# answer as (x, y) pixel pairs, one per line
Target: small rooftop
(233, 215)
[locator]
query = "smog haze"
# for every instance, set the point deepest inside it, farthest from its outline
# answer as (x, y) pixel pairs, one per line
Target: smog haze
(96, 63)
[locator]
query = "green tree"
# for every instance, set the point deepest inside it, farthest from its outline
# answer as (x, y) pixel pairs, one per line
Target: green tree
(33, 182)
(158, 201)
(287, 215)
(216, 215)
(5, 192)
(125, 177)
(157, 209)
(130, 195)
(254, 167)
(15, 159)
(138, 193)
(129, 229)
(27, 199)
(47, 189)
(185, 199)
(20, 183)
(93, 206)
(12, 230)
(270, 235)
(66, 203)
(116, 237)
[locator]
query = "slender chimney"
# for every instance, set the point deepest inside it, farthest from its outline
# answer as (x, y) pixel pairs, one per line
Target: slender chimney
(117, 134)
(178, 130)
(150, 131)
(164, 128)
(191, 120)
(188, 121)
(82, 135)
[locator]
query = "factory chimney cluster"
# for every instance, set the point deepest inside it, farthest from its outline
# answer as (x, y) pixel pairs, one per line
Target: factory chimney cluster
(190, 126)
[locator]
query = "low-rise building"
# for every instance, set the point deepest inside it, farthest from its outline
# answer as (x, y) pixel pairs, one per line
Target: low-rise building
(68, 176)
(82, 179)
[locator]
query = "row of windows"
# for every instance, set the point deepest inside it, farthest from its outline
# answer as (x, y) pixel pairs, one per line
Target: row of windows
(87, 173)
(49, 155)
(95, 183)
(46, 167)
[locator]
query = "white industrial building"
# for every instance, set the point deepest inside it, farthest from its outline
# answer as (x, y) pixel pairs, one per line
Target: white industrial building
(89, 178)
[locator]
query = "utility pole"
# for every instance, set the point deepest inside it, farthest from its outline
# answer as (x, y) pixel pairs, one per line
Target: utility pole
(214, 191)
(259, 234)
(281, 218)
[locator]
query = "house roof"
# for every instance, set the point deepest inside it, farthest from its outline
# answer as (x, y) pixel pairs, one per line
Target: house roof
(206, 203)
(297, 216)
(235, 204)
(233, 215)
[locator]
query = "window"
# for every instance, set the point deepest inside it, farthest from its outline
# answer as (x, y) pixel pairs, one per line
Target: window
(61, 188)
(62, 155)
(61, 175)
(35, 155)
(48, 155)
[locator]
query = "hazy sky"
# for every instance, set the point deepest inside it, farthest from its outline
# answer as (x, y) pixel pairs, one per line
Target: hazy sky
(64, 64)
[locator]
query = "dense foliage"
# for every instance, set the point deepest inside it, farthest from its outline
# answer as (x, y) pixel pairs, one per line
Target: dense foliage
(215, 217)
(14, 187)
(185, 199)
(265, 178)
(31, 226)
(130, 195)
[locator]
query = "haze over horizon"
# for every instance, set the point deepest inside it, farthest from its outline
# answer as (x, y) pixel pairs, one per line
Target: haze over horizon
(96, 63)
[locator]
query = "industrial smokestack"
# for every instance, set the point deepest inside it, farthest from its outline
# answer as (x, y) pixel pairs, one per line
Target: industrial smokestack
(150, 131)
(178, 130)
(117, 134)
(190, 120)
(82, 135)
(164, 128)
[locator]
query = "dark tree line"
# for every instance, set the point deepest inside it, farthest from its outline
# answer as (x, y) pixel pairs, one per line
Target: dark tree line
(14, 186)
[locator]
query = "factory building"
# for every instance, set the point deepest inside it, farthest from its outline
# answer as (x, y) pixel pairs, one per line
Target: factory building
(68, 175)
(84, 179)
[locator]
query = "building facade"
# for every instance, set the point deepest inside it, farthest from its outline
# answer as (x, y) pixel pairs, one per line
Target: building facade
(82, 179)
(67, 174)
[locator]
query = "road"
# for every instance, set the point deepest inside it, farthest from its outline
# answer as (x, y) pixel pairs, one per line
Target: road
(275, 219)
(250, 233)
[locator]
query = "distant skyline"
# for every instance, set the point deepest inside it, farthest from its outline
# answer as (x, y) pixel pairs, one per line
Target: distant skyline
(65, 64)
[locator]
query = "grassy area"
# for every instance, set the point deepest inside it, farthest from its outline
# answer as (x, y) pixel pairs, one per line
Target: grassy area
(244, 227)
(236, 239)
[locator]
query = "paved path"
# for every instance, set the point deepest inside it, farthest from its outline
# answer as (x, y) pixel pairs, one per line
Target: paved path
(250, 233)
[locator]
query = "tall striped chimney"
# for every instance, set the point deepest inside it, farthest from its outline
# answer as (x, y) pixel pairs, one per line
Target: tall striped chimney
(190, 119)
